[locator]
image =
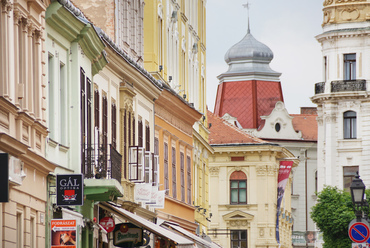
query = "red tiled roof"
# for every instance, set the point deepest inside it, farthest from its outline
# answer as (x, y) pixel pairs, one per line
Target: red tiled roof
(307, 124)
(247, 100)
(222, 132)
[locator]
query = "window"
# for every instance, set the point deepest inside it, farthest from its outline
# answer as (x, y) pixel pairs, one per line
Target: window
(114, 126)
(166, 180)
(188, 164)
(19, 230)
(350, 66)
(349, 172)
(140, 133)
(147, 138)
(349, 125)
(174, 193)
(239, 239)
(126, 132)
(182, 176)
(238, 188)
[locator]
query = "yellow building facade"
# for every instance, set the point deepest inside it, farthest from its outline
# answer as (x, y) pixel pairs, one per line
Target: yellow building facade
(244, 173)
(175, 53)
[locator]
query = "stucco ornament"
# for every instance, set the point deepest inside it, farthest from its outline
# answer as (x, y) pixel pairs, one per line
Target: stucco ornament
(349, 14)
(328, 2)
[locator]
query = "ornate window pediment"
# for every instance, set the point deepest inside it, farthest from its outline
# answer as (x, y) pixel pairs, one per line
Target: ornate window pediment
(238, 215)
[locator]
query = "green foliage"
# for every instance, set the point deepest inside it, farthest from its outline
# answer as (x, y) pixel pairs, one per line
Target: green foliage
(332, 215)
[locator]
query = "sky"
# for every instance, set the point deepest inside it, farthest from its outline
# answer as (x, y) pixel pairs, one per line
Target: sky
(287, 27)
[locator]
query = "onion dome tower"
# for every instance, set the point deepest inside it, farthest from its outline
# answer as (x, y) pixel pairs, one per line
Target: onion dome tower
(249, 88)
(343, 97)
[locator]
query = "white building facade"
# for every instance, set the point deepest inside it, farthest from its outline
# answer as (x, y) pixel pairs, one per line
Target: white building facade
(342, 98)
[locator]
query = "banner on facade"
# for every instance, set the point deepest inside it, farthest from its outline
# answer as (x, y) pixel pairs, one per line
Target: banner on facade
(159, 200)
(308, 237)
(143, 192)
(283, 176)
(63, 233)
(70, 190)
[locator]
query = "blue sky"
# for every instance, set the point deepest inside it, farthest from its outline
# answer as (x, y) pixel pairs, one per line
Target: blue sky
(288, 27)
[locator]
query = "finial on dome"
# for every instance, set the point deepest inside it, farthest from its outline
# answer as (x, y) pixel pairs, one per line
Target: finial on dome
(247, 7)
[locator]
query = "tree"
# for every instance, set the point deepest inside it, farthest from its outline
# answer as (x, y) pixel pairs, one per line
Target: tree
(332, 215)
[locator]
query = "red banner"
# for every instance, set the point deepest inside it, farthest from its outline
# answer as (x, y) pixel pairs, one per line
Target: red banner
(284, 172)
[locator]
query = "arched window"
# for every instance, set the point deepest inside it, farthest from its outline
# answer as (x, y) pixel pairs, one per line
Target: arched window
(238, 188)
(349, 125)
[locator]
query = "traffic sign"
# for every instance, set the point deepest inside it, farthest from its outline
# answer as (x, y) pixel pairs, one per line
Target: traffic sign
(359, 232)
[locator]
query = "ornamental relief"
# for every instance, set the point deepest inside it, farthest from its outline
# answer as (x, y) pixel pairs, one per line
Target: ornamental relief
(350, 14)
(349, 1)
(266, 170)
(328, 2)
(214, 171)
(238, 223)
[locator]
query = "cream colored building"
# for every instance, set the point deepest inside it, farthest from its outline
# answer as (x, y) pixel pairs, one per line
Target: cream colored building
(243, 189)
(23, 128)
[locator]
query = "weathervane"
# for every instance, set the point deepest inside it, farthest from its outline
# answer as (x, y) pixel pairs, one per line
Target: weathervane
(247, 5)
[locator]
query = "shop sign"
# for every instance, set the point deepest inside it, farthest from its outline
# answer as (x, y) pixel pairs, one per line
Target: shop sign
(107, 223)
(63, 233)
(127, 235)
(143, 192)
(69, 190)
(159, 200)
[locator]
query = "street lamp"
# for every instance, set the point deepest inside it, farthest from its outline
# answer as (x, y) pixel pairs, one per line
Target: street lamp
(357, 192)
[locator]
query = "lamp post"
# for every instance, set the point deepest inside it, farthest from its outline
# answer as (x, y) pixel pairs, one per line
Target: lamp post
(357, 192)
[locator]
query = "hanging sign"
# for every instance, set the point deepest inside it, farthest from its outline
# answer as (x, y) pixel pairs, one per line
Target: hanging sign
(107, 223)
(69, 190)
(127, 235)
(63, 233)
(143, 192)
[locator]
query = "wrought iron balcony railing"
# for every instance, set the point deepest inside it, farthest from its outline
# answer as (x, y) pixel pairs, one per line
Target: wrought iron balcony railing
(101, 162)
(348, 85)
(320, 88)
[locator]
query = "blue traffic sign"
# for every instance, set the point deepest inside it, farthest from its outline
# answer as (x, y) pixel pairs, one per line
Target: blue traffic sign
(359, 232)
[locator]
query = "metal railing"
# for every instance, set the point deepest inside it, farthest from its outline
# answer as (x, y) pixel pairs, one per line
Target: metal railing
(99, 161)
(348, 85)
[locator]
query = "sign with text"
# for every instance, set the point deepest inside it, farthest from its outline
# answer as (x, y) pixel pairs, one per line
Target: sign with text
(69, 190)
(127, 235)
(63, 233)
(143, 192)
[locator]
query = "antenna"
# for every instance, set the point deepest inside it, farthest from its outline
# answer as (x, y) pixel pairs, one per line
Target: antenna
(247, 5)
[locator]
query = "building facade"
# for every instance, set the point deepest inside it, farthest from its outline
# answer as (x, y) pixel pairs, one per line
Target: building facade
(342, 102)
(244, 180)
(23, 129)
(175, 53)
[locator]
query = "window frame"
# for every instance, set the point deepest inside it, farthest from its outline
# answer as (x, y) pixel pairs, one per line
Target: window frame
(351, 123)
(349, 64)
(239, 177)
(239, 239)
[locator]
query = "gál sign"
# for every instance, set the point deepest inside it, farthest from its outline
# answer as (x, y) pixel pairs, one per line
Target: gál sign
(70, 190)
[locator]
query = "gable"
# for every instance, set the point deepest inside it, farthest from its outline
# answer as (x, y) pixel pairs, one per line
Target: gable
(238, 215)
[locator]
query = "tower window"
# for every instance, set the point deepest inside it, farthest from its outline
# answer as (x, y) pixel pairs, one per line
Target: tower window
(350, 66)
(349, 125)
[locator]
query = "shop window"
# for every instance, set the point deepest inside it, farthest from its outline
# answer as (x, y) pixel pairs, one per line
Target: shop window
(238, 188)
(349, 125)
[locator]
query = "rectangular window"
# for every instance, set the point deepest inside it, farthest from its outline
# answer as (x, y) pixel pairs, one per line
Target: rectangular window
(147, 138)
(114, 126)
(166, 179)
(182, 175)
(174, 193)
(349, 125)
(140, 133)
(350, 66)
(239, 239)
(349, 172)
(63, 103)
(156, 162)
(325, 68)
(188, 166)
(238, 191)
(126, 131)
(19, 230)
(32, 232)
(96, 108)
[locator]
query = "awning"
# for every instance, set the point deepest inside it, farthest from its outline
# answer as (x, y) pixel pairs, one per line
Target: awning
(179, 240)
(200, 242)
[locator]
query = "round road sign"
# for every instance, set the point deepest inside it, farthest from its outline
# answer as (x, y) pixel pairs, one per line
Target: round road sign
(359, 232)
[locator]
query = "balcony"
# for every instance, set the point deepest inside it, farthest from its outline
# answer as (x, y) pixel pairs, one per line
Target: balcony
(348, 85)
(320, 88)
(101, 163)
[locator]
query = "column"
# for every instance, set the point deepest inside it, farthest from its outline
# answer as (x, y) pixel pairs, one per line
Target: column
(17, 83)
(4, 68)
(30, 73)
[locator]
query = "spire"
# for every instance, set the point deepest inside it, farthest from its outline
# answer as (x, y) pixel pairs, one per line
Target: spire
(247, 7)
